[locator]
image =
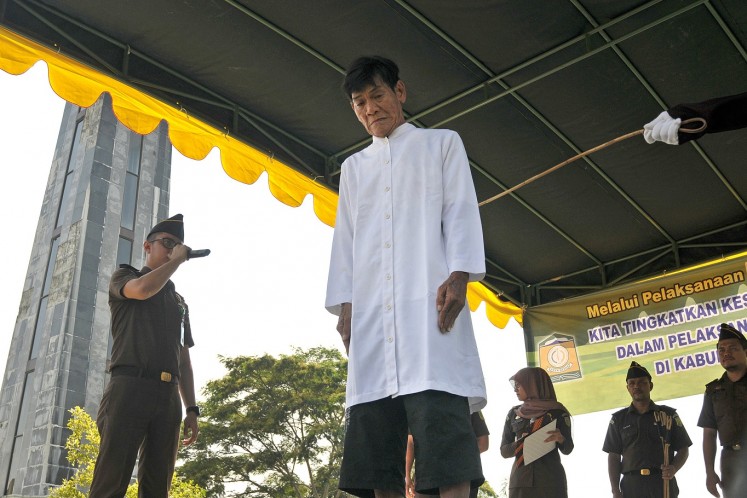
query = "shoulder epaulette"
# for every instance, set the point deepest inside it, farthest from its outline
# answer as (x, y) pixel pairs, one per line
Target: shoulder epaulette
(714, 381)
(714, 385)
(620, 413)
(668, 409)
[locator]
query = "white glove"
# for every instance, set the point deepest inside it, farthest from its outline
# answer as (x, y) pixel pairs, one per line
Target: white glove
(663, 129)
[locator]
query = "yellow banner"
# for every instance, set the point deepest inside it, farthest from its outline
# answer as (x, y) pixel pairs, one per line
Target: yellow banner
(82, 85)
(668, 324)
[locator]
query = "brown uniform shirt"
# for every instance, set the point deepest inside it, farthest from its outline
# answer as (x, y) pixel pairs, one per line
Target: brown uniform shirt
(147, 334)
(725, 409)
(637, 437)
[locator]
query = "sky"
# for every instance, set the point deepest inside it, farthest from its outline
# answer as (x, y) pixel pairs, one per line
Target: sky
(261, 291)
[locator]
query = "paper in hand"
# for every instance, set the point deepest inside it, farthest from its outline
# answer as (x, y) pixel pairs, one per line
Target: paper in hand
(534, 444)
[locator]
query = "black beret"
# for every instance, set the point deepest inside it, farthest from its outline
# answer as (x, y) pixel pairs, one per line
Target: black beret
(173, 226)
(636, 371)
(726, 331)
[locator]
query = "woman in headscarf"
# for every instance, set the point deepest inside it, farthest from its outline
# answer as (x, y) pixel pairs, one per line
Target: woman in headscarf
(545, 476)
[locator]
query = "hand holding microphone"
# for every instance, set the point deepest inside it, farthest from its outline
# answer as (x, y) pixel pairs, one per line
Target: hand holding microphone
(197, 253)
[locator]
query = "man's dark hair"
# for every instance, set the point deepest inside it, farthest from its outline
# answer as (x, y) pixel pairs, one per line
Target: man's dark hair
(363, 71)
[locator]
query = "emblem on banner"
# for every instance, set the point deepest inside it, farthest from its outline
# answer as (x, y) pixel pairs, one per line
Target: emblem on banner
(559, 359)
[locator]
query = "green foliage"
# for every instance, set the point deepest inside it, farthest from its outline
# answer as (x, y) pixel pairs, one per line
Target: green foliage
(272, 427)
(486, 491)
(502, 489)
(180, 488)
(82, 450)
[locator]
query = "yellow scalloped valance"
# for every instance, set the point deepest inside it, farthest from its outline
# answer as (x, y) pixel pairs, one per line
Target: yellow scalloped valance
(82, 86)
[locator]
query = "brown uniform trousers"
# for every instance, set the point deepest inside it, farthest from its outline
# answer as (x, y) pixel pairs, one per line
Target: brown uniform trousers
(138, 418)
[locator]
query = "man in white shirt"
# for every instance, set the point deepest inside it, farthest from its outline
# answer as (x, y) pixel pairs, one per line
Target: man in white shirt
(407, 240)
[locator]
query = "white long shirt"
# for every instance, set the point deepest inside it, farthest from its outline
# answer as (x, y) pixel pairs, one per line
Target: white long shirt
(407, 217)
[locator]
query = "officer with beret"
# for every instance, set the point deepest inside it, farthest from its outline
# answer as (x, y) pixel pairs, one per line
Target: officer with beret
(151, 372)
(725, 412)
(646, 443)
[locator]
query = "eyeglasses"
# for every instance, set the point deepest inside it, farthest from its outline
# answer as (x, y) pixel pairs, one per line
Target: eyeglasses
(729, 349)
(167, 242)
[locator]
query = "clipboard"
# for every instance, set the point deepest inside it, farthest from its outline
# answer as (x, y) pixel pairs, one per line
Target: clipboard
(534, 444)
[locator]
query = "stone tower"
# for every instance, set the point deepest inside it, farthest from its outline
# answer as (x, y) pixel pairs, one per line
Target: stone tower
(107, 186)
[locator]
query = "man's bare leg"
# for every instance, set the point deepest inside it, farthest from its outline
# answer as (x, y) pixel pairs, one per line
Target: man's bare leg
(460, 490)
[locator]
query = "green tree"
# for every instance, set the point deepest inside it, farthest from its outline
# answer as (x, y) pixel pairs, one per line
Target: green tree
(486, 491)
(272, 427)
(180, 488)
(82, 447)
(82, 450)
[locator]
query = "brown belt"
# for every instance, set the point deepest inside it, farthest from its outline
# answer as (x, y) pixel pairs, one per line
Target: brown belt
(145, 374)
(732, 447)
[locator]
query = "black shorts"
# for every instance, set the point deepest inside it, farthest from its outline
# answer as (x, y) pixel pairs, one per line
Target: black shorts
(446, 450)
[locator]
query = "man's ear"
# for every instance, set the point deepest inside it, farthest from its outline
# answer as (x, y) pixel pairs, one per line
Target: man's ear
(400, 91)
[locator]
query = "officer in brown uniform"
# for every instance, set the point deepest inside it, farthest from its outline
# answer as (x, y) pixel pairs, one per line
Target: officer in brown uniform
(636, 439)
(725, 412)
(151, 372)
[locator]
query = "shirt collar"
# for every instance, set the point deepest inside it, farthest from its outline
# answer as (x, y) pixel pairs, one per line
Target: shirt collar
(651, 407)
(398, 131)
(725, 378)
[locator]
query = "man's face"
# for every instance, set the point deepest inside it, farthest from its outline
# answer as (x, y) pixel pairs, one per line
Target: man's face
(379, 107)
(640, 388)
(731, 354)
(159, 248)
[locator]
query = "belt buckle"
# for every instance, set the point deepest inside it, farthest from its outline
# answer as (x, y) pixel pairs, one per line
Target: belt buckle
(645, 472)
(736, 447)
(165, 377)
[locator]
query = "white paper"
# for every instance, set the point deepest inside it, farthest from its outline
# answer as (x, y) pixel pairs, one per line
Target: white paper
(534, 444)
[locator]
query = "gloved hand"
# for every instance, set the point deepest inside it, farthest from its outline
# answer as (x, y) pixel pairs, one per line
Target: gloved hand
(663, 129)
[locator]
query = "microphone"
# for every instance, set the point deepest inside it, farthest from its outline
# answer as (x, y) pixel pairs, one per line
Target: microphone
(197, 253)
